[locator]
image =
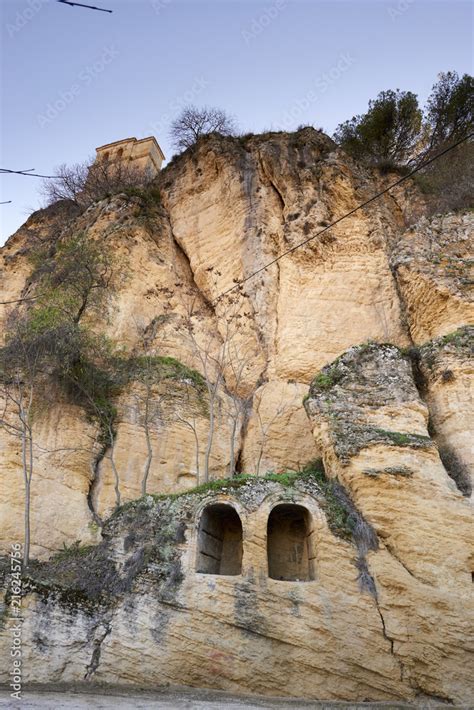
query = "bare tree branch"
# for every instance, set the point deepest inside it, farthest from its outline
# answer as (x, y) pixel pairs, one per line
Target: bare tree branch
(193, 122)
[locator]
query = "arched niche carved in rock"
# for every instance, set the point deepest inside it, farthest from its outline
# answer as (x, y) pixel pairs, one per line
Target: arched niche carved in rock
(289, 543)
(219, 541)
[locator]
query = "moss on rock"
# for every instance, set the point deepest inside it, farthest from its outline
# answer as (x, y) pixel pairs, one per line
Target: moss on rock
(359, 382)
(459, 344)
(142, 540)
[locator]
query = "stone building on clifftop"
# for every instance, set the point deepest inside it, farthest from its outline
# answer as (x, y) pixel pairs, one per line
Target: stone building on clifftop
(143, 154)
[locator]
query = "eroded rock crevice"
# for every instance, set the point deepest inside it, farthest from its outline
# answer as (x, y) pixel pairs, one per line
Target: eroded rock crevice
(97, 647)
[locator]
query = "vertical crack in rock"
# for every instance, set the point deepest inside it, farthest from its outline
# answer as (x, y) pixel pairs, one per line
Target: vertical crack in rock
(276, 287)
(95, 659)
(455, 468)
(277, 319)
(252, 250)
(386, 636)
(181, 250)
(94, 480)
(363, 535)
(405, 321)
(239, 458)
(272, 183)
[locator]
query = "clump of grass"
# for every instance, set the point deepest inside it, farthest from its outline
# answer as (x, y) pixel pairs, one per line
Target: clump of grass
(161, 367)
(404, 439)
(286, 479)
(326, 379)
(339, 512)
(72, 551)
(461, 339)
(149, 196)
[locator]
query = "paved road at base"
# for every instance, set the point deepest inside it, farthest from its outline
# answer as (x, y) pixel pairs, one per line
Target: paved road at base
(109, 699)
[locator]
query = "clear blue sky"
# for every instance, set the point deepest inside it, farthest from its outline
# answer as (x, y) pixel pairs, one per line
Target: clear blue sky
(74, 79)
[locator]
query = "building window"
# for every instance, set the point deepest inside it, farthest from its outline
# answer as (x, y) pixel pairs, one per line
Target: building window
(119, 153)
(105, 156)
(219, 541)
(289, 545)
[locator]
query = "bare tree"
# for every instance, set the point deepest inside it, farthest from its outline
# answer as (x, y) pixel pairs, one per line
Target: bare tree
(209, 352)
(223, 363)
(149, 405)
(265, 425)
(190, 421)
(194, 122)
(21, 373)
(93, 180)
(211, 361)
(18, 396)
(236, 363)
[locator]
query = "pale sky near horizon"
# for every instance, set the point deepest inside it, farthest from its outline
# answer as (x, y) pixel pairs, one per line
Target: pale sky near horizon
(73, 79)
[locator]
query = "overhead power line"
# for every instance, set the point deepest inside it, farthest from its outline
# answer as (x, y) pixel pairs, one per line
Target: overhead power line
(80, 4)
(7, 202)
(340, 219)
(27, 173)
(305, 241)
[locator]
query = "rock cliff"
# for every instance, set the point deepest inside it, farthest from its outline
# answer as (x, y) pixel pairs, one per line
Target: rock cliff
(371, 324)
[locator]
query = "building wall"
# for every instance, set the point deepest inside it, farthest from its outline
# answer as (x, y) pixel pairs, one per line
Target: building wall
(142, 155)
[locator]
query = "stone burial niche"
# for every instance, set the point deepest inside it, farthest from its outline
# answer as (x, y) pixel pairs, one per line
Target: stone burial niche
(289, 546)
(219, 543)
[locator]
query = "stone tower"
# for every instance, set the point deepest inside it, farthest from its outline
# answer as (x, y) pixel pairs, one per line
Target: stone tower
(144, 154)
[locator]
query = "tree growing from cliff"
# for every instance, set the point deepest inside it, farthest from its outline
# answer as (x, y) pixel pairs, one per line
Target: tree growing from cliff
(449, 114)
(209, 353)
(75, 276)
(47, 345)
(189, 417)
(19, 375)
(224, 362)
(147, 372)
(194, 122)
(395, 132)
(92, 376)
(265, 424)
(34, 339)
(93, 180)
(236, 366)
(388, 134)
(449, 117)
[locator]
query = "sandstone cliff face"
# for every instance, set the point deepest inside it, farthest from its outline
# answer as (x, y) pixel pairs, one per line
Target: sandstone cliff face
(446, 365)
(393, 431)
(226, 210)
(434, 267)
(371, 425)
